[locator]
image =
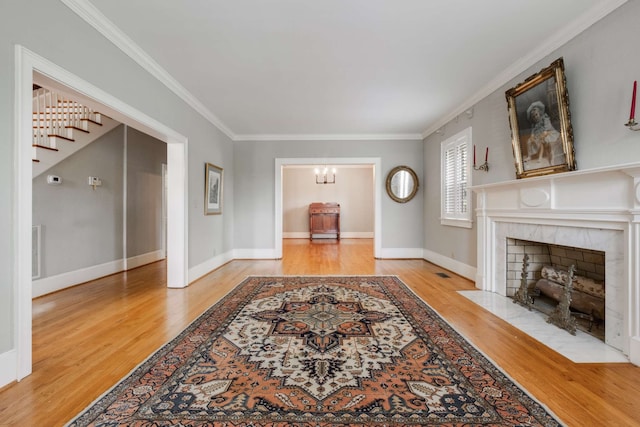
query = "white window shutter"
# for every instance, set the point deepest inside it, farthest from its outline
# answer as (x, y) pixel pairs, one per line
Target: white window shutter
(456, 174)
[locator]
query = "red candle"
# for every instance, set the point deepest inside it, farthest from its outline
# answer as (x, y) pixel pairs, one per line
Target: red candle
(474, 155)
(633, 102)
(486, 155)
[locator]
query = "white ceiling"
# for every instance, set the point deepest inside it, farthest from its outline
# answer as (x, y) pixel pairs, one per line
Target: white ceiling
(354, 69)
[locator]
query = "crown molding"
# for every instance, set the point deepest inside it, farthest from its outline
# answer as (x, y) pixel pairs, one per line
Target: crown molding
(331, 137)
(87, 11)
(554, 42)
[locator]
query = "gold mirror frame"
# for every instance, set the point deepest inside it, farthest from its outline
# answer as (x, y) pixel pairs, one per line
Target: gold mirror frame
(391, 191)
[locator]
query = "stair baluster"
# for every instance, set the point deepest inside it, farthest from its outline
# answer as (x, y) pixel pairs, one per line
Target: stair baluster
(56, 118)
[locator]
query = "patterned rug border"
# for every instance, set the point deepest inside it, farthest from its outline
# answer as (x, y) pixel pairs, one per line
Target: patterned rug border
(490, 360)
(111, 394)
(477, 349)
(468, 342)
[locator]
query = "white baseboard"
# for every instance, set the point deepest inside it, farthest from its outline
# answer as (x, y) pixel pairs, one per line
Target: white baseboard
(208, 266)
(295, 235)
(144, 259)
(8, 367)
(55, 283)
(357, 235)
(450, 264)
(61, 281)
(343, 235)
(254, 253)
(634, 350)
(400, 253)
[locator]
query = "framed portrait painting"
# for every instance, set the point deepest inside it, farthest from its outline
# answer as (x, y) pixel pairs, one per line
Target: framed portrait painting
(541, 132)
(212, 190)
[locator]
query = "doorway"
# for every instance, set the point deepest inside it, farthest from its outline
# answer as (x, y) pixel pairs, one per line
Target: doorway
(28, 65)
(375, 162)
(165, 190)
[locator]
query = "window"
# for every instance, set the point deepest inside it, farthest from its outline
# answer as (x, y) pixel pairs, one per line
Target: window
(456, 180)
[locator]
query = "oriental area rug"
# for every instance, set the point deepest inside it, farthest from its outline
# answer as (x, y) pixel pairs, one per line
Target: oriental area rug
(317, 351)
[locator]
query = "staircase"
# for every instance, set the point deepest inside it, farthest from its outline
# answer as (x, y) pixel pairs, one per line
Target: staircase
(61, 127)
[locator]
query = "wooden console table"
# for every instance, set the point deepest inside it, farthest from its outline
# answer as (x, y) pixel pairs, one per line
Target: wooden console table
(324, 218)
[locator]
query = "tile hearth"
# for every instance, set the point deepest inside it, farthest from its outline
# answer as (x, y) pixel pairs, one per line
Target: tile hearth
(581, 348)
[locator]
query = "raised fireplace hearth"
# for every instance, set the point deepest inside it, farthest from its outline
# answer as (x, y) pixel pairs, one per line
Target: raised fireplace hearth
(596, 210)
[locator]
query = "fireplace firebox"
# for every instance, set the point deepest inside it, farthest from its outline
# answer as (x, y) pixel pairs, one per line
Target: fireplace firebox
(542, 271)
(597, 210)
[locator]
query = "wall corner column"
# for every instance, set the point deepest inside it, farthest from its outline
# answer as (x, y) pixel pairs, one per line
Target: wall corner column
(484, 270)
(633, 270)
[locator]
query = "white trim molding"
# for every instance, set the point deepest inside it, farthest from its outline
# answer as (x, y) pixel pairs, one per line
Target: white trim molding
(331, 137)
(400, 253)
(27, 64)
(61, 281)
(90, 14)
(450, 264)
(206, 267)
(143, 259)
(546, 47)
(87, 11)
(376, 162)
(576, 209)
(255, 254)
(343, 235)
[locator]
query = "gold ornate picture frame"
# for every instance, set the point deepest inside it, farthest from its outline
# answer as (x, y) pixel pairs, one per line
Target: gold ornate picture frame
(541, 132)
(212, 190)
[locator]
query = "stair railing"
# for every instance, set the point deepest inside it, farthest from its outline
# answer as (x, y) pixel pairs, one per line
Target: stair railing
(54, 115)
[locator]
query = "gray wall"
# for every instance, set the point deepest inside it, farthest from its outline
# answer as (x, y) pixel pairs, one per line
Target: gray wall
(85, 53)
(145, 156)
(88, 223)
(255, 187)
(353, 190)
(600, 67)
(82, 227)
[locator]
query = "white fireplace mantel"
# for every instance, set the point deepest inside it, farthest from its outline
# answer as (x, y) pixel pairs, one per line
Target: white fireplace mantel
(596, 209)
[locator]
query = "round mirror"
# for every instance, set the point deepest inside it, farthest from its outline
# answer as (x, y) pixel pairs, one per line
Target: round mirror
(402, 184)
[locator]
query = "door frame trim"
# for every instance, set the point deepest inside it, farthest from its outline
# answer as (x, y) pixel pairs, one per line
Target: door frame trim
(376, 162)
(26, 64)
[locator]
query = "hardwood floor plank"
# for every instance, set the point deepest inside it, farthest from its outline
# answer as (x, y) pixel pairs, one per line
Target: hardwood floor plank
(86, 338)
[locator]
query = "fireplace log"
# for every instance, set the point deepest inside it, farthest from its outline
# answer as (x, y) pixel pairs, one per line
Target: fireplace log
(580, 301)
(580, 283)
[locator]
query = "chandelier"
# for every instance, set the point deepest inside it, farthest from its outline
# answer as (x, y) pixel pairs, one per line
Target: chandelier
(324, 176)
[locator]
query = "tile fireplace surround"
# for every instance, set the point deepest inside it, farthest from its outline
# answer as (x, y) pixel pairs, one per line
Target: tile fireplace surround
(597, 209)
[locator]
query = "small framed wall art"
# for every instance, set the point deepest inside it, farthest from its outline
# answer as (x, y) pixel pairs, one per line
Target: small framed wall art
(541, 132)
(212, 189)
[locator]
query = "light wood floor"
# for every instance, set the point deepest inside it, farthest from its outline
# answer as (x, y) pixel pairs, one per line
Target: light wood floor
(88, 337)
